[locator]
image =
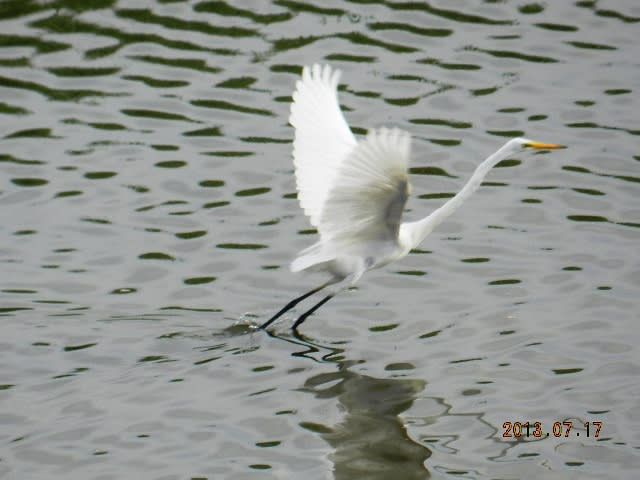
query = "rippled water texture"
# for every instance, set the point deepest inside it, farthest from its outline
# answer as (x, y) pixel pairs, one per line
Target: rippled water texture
(148, 217)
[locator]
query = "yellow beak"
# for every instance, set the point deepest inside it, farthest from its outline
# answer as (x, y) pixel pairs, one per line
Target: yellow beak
(546, 146)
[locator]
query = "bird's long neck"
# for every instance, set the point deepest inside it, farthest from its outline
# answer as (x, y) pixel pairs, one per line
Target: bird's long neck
(415, 232)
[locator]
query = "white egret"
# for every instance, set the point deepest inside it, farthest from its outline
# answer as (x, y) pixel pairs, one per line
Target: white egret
(354, 192)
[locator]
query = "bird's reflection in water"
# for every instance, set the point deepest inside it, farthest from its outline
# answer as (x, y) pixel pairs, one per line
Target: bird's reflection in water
(371, 441)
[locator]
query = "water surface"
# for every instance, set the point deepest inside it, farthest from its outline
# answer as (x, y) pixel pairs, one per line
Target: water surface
(148, 216)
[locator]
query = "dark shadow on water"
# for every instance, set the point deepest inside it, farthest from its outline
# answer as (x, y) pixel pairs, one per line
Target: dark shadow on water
(371, 441)
(311, 349)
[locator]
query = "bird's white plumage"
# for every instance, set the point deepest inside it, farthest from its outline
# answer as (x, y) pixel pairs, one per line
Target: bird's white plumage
(368, 195)
(322, 139)
(354, 193)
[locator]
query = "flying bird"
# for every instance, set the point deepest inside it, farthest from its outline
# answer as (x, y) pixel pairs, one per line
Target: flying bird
(354, 192)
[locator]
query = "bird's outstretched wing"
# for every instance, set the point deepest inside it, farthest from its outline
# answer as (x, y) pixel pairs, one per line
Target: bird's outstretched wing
(369, 191)
(322, 137)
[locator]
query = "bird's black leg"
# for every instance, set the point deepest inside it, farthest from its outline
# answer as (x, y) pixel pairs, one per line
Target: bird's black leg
(304, 316)
(293, 303)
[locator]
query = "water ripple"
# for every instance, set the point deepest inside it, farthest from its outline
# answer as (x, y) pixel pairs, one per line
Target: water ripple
(149, 217)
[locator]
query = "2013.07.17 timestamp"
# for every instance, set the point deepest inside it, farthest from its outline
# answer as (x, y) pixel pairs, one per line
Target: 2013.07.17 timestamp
(559, 429)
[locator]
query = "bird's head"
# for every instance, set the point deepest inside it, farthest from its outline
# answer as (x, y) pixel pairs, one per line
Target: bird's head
(521, 143)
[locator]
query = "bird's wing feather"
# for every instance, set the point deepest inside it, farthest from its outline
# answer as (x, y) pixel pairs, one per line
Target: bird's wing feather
(322, 137)
(368, 195)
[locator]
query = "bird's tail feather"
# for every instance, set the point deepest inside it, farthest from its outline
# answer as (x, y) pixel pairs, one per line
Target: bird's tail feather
(317, 255)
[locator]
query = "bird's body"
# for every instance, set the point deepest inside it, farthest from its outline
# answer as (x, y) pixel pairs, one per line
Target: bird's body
(354, 192)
